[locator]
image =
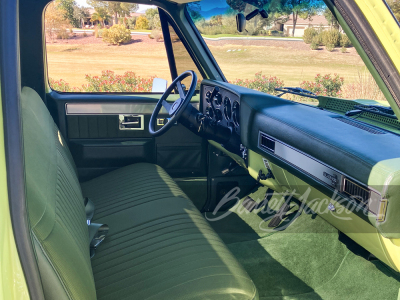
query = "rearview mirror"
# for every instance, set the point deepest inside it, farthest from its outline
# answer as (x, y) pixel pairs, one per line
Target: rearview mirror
(240, 22)
(159, 85)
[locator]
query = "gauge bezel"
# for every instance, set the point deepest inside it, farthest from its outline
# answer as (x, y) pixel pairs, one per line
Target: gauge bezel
(227, 108)
(236, 113)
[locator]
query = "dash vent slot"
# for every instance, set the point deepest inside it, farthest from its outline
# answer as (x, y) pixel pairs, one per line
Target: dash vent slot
(267, 143)
(356, 191)
(361, 126)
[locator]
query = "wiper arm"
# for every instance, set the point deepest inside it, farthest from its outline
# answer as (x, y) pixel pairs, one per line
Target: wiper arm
(374, 109)
(296, 91)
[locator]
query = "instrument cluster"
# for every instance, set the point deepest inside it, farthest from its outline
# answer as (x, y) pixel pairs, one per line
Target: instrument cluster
(223, 107)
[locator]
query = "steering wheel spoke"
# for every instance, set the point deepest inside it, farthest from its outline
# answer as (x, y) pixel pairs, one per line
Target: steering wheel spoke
(167, 106)
(180, 90)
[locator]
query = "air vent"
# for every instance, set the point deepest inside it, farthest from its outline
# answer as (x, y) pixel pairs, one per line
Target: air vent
(267, 143)
(356, 191)
(361, 126)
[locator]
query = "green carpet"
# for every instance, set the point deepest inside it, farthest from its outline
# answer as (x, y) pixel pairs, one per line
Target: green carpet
(305, 260)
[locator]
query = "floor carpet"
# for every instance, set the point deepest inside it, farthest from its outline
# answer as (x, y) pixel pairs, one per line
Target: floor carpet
(304, 258)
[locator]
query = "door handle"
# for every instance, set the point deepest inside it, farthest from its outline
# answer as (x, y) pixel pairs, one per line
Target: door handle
(130, 123)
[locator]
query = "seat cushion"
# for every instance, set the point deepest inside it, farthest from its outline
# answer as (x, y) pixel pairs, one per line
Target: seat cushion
(159, 246)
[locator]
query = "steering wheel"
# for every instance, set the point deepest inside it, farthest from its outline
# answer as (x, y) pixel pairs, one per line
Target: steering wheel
(175, 109)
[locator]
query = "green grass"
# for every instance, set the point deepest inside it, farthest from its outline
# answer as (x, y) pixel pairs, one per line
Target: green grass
(289, 64)
(72, 61)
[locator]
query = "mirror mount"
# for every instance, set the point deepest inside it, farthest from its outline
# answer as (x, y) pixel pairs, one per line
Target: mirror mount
(241, 19)
(159, 85)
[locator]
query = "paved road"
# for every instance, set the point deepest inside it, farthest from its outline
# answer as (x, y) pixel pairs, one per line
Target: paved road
(255, 38)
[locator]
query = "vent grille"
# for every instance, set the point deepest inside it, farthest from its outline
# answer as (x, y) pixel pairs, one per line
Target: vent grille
(356, 191)
(361, 126)
(267, 142)
(346, 105)
(339, 105)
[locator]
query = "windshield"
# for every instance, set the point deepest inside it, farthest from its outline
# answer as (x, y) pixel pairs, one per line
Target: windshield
(296, 46)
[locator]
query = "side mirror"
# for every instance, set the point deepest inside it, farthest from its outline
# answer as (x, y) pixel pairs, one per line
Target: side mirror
(240, 22)
(159, 85)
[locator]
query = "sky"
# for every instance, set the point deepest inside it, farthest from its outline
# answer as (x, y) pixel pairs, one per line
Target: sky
(142, 7)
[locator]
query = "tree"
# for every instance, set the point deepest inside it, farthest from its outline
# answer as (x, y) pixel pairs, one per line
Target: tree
(55, 22)
(151, 12)
(216, 20)
(142, 23)
(304, 9)
(81, 13)
(329, 16)
(67, 7)
(237, 5)
(100, 15)
(194, 10)
(116, 9)
(154, 18)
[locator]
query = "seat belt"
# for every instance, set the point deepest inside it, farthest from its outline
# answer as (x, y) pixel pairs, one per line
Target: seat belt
(89, 210)
(97, 232)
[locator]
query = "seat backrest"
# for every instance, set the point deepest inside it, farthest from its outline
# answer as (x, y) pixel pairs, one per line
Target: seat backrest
(55, 206)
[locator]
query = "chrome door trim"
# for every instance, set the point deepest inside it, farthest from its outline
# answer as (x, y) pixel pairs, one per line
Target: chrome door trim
(112, 108)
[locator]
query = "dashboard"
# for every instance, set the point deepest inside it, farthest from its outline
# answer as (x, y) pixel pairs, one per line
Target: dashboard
(308, 147)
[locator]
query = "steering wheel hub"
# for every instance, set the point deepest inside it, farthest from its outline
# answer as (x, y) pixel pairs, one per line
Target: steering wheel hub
(175, 109)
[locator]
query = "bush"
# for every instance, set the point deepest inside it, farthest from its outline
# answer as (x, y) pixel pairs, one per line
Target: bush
(331, 37)
(108, 81)
(157, 35)
(84, 34)
(273, 32)
(60, 85)
(142, 23)
(116, 35)
(62, 34)
(343, 49)
(344, 40)
(309, 34)
(98, 32)
(262, 83)
(131, 22)
(364, 87)
(317, 39)
(314, 46)
(326, 85)
(330, 47)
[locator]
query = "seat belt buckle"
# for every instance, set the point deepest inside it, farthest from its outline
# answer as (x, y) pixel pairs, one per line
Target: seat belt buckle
(99, 232)
(97, 241)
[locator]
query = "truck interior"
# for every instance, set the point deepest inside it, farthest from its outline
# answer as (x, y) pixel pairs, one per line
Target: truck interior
(205, 189)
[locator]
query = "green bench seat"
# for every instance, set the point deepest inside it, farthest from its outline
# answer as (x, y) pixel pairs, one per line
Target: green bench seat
(158, 246)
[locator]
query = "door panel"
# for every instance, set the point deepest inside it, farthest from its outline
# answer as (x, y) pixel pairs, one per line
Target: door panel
(91, 125)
